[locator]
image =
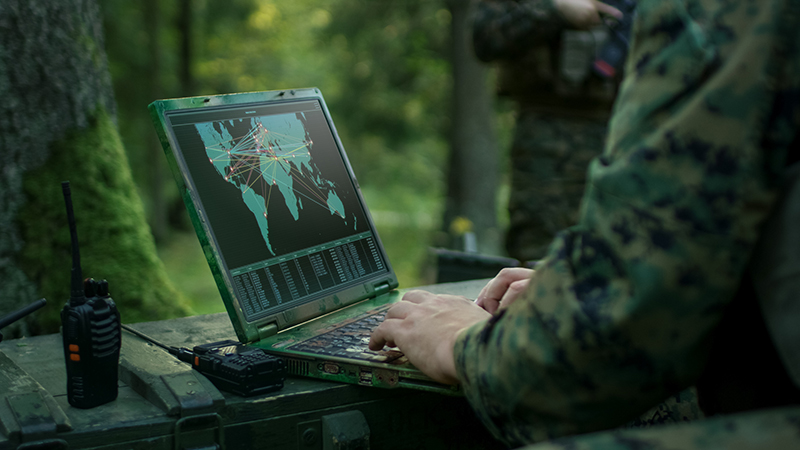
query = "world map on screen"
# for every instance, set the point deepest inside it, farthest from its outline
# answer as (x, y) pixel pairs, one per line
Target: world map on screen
(272, 162)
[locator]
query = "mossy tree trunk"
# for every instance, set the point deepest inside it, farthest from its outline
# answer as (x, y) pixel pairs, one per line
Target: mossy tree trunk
(57, 122)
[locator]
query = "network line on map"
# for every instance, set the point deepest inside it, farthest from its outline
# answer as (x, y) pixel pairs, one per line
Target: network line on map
(254, 158)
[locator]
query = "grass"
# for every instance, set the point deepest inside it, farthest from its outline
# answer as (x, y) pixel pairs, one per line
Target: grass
(188, 270)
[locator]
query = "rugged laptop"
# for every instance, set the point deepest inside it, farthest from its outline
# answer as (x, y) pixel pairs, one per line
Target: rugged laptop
(286, 232)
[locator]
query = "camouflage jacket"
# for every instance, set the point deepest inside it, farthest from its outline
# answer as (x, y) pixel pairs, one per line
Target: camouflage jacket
(508, 29)
(543, 64)
(620, 313)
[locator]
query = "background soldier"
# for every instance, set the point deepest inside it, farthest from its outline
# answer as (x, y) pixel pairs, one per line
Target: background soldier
(547, 50)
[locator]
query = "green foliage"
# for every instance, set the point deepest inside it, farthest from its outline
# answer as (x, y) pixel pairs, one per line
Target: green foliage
(383, 68)
(188, 270)
(107, 208)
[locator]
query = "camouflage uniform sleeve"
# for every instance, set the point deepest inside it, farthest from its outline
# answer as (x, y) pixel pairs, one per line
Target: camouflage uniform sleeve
(619, 314)
(507, 29)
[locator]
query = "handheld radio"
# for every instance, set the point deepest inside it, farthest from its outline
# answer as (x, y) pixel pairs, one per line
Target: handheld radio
(91, 332)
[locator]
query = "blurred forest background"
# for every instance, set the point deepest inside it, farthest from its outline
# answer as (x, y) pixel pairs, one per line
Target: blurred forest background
(386, 69)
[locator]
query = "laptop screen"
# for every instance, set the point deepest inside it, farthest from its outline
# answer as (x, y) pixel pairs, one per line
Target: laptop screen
(279, 201)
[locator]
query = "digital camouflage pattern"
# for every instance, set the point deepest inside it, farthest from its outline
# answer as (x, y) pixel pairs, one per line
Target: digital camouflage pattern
(677, 408)
(549, 159)
(620, 314)
(508, 29)
(770, 429)
(560, 125)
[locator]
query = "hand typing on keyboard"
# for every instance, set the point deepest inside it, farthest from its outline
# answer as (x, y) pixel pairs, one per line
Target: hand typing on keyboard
(351, 340)
(425, 326)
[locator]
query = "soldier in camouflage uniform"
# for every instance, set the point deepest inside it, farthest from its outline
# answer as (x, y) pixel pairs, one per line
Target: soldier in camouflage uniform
(563, 108)
(650, 292)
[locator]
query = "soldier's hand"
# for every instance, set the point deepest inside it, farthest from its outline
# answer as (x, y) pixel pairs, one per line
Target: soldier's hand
(503, 289)
(424, 327)
(584, 14)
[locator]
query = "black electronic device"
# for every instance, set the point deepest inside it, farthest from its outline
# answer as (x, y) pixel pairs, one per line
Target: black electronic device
(611, 56)
(20, 313)
(90, 328)
(239, 369)
(230, 365)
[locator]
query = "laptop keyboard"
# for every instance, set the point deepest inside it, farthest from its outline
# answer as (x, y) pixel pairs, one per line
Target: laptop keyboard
(351, 339)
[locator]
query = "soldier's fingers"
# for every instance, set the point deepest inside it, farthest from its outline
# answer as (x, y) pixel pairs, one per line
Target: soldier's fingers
(489, 299)
(491, 306)
(497, 287)
(491, 290)
(605, 8)
(416, 296)
(399, 310)
(515, 291)
(482, 294)
(483, 299)
(382, 335)
(512, 274)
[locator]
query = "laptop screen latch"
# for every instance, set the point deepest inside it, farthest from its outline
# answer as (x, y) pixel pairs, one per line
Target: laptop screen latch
(382, 288)
(270, 329)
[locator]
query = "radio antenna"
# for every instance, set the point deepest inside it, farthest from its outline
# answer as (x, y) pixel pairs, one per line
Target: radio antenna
(77, 296)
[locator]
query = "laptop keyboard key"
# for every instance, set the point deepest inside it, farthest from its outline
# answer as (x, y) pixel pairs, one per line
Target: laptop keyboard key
(350, 340)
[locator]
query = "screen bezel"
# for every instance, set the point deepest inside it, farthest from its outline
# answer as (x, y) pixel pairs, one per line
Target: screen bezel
(251, 329)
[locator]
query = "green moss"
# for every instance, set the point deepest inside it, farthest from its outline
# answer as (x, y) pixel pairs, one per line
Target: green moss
(115, 240)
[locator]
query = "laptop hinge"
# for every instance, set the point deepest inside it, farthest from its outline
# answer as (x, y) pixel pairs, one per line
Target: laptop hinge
(270, 329)
(382, 288)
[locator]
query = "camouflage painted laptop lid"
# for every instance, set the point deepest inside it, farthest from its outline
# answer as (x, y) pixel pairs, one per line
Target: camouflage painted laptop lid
(275, 204)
